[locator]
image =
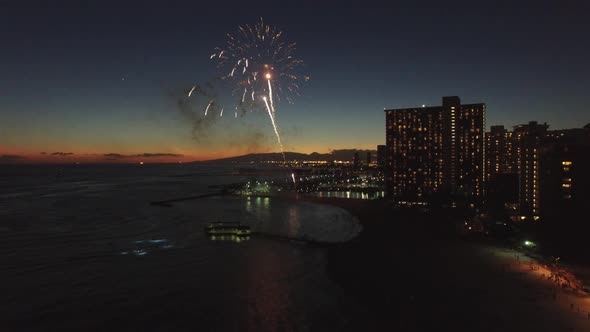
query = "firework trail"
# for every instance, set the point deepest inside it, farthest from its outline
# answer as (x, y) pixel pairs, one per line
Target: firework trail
(272, 104)
(271, 114)
(200, 125)
(274, 127)
(207, 108)
(191, 92)
(255, 54)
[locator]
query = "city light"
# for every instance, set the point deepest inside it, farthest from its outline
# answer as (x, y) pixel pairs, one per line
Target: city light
(326, 215)
(529, 244)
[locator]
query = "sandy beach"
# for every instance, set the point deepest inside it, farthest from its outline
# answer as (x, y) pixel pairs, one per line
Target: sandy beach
(415, 275)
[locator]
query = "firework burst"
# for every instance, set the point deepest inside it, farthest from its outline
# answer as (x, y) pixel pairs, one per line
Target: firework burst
(255, 55)
(262, 66)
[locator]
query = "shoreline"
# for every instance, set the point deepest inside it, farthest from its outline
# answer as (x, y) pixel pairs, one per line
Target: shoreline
(356, 207)
(399, 264)
(290, 197)
(401, 259)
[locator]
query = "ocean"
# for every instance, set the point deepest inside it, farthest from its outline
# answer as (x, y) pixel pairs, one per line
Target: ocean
(82, 248)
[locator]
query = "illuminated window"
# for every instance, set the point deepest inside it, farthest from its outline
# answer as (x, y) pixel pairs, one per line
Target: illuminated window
(566, 163)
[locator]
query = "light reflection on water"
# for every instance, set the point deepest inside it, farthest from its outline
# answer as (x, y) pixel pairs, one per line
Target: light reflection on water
(296, 220)
(155, 266)
(350, 194)
(143, 247)
(230, 238)
(268, 284)
(266, 202)
(293, 222)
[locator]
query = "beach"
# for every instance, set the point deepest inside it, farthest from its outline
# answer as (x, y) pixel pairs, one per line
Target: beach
(414, 275)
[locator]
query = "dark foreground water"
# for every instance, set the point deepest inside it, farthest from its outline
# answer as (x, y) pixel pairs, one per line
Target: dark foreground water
(81, 248)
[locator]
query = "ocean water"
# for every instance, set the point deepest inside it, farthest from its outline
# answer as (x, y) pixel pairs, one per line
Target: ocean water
(82, 248)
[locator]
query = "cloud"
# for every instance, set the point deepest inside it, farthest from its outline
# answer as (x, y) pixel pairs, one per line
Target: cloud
(150, 155)
(61, 153)
(10, 158)
(115, 156)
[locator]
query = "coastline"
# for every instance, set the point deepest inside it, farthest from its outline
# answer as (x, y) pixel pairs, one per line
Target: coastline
(409, 270)
(312, 238)
(414, 274)
(405, 270)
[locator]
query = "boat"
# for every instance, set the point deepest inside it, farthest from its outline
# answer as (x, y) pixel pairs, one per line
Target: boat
(227, 228)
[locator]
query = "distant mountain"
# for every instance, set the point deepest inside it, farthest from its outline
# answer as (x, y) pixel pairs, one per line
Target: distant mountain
(345, 155)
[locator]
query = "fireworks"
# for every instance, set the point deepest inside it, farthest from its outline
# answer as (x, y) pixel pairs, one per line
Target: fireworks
(260, 67)
(191, 92)
(255, 59)
(207, 108)
(274, 126)
(259, 52)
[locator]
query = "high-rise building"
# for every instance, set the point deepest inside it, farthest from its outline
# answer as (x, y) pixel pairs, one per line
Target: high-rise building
(528, 139)
(368, 158)
(545, 167)
(501, 173)
(564, 179)
(517, 152)
(436, 149)
(496, 148)
(381, 156)
(356, 161)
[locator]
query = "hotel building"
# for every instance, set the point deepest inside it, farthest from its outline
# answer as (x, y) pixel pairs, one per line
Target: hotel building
(518, 153)
(436, 149)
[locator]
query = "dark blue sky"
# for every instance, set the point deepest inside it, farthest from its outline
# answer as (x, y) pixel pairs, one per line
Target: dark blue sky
(96, 78)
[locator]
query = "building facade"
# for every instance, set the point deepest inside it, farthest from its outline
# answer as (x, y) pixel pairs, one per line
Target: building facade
(497, 146)
(541, 164)
(529, 139)
(517, 153)
(564, 178)
(435, 150)
(381, 156)
(356, 161)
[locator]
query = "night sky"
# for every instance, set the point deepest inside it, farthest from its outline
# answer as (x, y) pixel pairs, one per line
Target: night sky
(104, 78)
